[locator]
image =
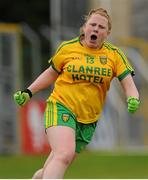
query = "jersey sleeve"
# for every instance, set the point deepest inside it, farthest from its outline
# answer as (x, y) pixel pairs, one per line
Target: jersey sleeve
(123, 67)
(57, 60)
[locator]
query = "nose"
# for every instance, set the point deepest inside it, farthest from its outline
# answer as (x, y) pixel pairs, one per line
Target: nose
(96, 29)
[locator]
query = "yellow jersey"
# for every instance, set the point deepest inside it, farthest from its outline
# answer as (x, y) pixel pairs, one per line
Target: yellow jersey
(85, 75)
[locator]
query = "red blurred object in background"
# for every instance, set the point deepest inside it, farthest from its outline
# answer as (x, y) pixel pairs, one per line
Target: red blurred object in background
(33, 138)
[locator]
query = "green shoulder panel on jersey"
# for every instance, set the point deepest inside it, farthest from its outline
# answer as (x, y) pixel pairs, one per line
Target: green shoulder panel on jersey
(125, 61)
(109, 46)
(121, 54)
(64, 43)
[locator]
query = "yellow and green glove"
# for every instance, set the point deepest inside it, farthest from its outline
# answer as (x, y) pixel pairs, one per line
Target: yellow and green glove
(133, 104)
(22, 97)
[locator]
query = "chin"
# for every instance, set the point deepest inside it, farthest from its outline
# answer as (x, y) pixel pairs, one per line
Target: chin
(93, 46)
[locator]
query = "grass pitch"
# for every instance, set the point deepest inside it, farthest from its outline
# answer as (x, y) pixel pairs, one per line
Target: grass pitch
(88, 165)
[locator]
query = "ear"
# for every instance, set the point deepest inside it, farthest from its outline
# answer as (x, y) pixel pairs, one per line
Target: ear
(82, 29)
(108, 33)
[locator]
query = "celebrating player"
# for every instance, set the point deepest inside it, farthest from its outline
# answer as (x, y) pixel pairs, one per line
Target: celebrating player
(82, 70)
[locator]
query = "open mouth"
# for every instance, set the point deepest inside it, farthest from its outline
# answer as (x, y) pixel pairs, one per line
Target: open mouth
(93, 37)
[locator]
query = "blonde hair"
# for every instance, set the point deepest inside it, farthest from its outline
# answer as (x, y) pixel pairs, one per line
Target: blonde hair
(100, 11)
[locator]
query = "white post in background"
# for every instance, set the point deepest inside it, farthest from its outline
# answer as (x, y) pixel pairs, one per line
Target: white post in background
(55, 22)
(121, 18)
(10, 76)
(55, 15)
(35, 45)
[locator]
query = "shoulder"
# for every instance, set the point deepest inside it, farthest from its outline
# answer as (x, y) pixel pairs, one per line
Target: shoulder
(110, 46)
(67, 44)
(113, 48)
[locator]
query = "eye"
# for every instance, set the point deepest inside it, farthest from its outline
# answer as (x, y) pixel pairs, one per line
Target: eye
(102, 27)
(93, 24)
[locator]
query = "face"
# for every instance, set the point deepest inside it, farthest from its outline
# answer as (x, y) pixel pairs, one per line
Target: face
(95, 31)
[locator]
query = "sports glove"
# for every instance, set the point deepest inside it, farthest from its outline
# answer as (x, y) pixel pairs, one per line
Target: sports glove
(133, 104)
(22, 97)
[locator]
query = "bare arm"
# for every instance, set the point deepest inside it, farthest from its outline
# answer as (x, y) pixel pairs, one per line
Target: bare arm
(129, 87)
(44, 80)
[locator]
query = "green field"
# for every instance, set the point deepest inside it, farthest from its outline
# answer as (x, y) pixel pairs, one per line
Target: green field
(87, 165)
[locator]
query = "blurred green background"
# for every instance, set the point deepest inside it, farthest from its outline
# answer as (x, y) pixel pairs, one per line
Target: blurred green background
(88, 165)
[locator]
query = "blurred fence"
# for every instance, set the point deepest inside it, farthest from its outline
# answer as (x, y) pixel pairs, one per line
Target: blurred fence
(116, 129)
(10, 50)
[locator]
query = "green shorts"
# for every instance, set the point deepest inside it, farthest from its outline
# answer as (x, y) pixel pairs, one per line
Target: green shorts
(57, 114)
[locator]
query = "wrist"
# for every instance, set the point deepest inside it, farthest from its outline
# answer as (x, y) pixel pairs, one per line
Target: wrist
(27, 91)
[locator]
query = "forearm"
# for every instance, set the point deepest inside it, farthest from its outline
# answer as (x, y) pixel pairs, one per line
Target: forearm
(129, 87)
(132, 91)
(43, 81)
